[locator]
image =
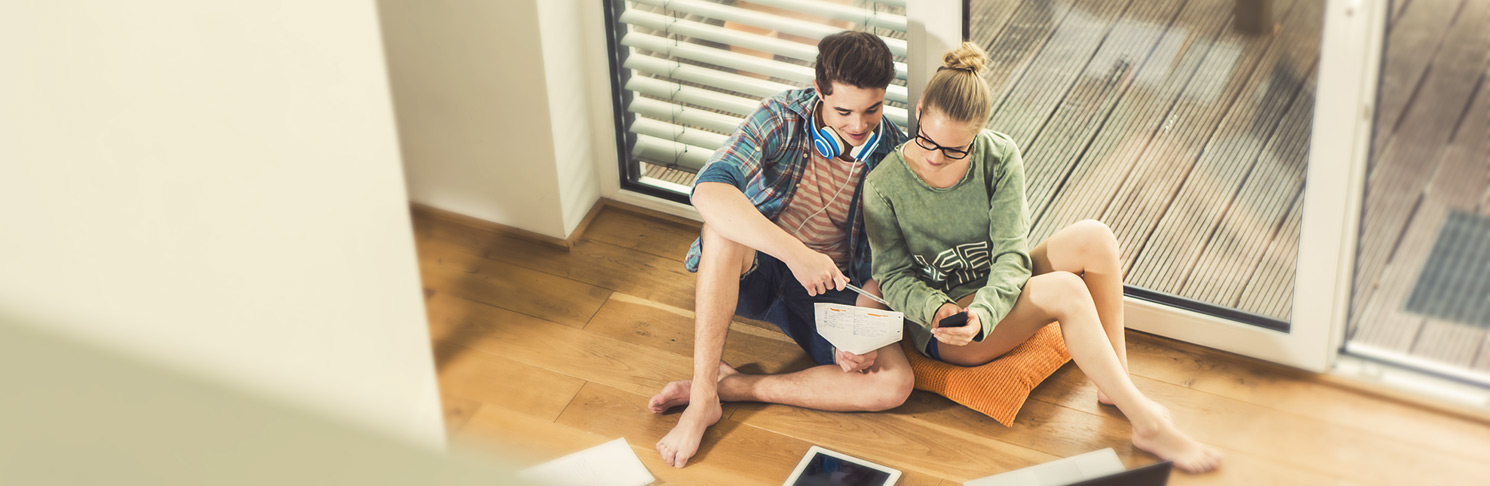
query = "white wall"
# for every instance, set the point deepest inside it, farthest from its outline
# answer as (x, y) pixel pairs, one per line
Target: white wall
(216, 186)
(497, 107)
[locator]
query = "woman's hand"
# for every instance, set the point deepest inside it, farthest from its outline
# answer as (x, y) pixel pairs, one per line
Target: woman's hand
(955, 336)
(945, 311)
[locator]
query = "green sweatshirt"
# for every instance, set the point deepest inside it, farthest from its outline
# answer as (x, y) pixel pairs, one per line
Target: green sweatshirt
(933, 245)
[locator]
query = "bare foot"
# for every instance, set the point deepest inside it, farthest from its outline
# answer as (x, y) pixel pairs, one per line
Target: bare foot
(676, 393)
(679, 445)
(1160, 437)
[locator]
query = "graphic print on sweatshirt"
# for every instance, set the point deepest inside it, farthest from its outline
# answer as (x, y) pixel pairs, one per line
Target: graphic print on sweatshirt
(956, 266)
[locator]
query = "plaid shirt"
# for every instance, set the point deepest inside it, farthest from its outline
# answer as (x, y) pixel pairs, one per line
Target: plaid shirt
(765, 159)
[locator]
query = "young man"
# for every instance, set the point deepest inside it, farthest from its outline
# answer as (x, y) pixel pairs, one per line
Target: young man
(782, 230)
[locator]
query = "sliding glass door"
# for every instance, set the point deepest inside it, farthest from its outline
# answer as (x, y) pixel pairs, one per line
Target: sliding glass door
(1420, 296)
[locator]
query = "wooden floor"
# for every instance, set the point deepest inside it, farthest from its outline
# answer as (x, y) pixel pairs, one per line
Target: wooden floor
(544, 352)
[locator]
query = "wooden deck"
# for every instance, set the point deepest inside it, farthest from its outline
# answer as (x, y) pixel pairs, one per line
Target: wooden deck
(1432, 149)
(545, 352)
(1185, 135)
(1189, 138)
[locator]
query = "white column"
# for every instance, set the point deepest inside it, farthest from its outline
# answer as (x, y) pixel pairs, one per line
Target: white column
(933, 27)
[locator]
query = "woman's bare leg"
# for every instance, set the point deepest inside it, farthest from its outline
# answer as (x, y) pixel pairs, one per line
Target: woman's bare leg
(1062, 296)
(1088, 249)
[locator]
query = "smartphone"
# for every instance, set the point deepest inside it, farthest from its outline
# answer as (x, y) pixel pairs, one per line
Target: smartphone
(955, 320)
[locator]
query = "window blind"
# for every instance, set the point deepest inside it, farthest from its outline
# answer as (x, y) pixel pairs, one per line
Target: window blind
(691, 70)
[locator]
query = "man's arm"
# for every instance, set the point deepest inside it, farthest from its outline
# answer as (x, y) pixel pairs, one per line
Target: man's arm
(729, 212)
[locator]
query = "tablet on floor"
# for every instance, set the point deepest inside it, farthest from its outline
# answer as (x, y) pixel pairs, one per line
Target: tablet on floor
(822, 467)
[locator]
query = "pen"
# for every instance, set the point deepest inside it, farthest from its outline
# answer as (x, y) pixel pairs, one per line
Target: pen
(866, 294)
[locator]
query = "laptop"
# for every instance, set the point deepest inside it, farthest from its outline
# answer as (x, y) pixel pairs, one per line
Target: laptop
(1092, 468)
(1156, 474)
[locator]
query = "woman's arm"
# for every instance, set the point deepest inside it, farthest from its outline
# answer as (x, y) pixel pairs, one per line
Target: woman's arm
(1008, 230)
(893, 266)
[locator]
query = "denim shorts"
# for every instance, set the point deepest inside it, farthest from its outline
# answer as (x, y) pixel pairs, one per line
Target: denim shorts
(931, 351)
(769, 292)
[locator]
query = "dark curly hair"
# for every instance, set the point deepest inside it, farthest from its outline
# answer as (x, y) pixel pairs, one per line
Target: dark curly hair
(859, 59)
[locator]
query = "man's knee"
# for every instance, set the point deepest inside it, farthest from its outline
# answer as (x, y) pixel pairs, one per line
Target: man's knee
(717, 248)
(892, 388)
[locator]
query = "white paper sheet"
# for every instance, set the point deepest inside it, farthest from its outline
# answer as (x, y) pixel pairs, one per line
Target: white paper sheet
(610, 464)
(858, 330)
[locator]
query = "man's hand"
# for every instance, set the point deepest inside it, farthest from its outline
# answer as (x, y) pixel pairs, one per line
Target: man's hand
(851, 362)
(816, 272)
(955, 336)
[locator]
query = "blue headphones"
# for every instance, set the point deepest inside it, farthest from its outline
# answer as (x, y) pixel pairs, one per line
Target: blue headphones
(829, 145)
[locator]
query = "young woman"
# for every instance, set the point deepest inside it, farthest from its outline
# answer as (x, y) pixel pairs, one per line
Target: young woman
(947, 222)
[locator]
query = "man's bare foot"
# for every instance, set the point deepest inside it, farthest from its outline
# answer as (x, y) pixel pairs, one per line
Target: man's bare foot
(679, 445)
(676, 393)
(1158, 435)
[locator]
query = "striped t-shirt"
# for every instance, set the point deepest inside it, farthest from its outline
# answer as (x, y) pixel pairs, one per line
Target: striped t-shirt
(823, 230)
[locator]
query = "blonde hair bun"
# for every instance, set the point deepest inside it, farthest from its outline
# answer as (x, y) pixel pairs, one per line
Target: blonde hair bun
(966, 57)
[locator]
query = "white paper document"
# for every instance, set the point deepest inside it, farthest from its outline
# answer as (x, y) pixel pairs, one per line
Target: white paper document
(610, 464)
(857, 330)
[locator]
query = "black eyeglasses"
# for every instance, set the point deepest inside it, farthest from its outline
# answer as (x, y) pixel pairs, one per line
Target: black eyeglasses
(927, 143)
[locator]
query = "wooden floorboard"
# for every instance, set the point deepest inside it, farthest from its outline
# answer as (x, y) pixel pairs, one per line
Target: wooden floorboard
(536, 388)
(1248, 137)
(987, 18)
(523, 440)
(1245, 228)
(1447, 342)
(1461, 172)
(1036, 93)
(1017, 44)
(652, 236)
(1482, 359)
(1413, 38)
(1383, 321)
(1098, 90)
(533, 292)
(1276, 271)
(1299, 393)
(1090, 185)
(1149, 192)
(598, 264)
(504, 383)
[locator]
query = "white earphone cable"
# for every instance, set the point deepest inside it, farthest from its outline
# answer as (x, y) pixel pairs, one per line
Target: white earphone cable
(841, 187)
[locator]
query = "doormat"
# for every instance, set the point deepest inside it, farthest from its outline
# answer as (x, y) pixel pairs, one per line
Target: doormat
(1455, 282)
